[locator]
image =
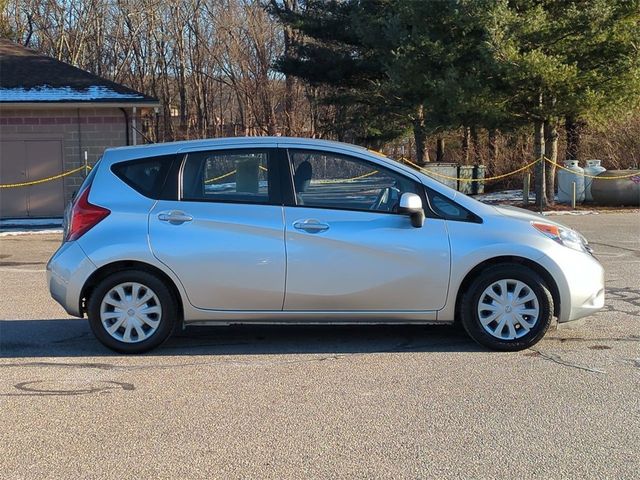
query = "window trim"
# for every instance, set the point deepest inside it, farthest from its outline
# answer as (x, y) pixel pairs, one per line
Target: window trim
(274, 161)
(290, 199)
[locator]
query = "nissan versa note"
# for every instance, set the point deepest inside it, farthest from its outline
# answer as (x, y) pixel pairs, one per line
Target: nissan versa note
(289, 230)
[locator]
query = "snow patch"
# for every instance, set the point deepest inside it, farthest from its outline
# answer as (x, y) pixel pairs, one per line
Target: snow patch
(48, 94)
(515, 196)
(26, 226)
(503, 196)
(570, 212)
(30, 222)
(15, 233)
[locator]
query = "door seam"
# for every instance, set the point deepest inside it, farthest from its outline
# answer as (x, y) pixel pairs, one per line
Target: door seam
(286, 257)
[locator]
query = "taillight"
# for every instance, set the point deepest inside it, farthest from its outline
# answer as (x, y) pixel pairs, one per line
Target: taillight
(84, 216)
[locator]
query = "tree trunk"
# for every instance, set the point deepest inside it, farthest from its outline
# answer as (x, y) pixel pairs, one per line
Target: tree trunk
(440, 150)
(551, 152)
(541, 192)
(420, 136)
(291, 37)
(466, 145)
(475, 146)
(289, 85)
(493, 147)
(573, 127)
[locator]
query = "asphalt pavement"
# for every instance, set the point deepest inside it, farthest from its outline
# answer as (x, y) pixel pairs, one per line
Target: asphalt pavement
(320, 402)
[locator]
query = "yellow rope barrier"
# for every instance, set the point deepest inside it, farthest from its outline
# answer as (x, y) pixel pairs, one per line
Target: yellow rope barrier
(485, 179)
(365, 175)
(211, 180)
(402, 159)
(360, 176)
(42, 180)
(617, 177)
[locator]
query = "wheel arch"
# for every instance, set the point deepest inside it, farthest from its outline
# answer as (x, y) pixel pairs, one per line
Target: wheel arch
(536, 267)
(104, 271)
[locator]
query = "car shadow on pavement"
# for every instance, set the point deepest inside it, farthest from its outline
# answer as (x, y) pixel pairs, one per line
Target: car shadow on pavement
(73, 338)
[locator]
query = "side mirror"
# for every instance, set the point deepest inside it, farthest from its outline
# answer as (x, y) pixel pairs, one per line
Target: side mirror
(411, 204)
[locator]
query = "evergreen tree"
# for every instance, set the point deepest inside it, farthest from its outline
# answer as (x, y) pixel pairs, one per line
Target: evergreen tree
(564, 59)
(437, 65)
(344, 48)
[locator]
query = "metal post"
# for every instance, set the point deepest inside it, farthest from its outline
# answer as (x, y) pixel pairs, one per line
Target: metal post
(86, 164)
(541, 184)
(134, 129)
(573, 196)
(526, 188)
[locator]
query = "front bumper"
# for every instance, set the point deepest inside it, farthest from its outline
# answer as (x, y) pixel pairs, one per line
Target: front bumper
(67, 272)
(580, 280)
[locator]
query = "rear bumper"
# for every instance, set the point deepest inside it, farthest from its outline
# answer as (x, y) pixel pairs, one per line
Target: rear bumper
(580, 281)
(67, 272)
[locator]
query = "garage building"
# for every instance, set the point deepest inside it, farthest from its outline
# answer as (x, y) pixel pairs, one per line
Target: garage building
(52, 115)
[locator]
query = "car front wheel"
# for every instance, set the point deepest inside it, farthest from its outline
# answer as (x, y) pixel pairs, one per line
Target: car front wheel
(131, 311)
(507, 307)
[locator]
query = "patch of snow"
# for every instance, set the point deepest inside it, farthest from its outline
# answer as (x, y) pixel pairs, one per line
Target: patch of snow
(24, 226)
(503, 196)
(507, 196)
(15, 233)
(515, 196)
(49, 94)
(30, 222)
(570, 212)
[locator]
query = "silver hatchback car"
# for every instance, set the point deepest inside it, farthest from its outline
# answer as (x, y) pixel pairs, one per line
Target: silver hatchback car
(290, 231)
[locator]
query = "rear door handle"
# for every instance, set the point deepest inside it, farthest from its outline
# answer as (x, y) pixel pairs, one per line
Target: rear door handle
(311, 225)
(175, 217)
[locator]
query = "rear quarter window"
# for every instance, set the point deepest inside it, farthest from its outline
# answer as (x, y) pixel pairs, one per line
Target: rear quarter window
(146, 176)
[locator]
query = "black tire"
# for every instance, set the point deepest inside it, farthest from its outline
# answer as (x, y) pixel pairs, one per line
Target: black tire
(471, 298)
(167, 318)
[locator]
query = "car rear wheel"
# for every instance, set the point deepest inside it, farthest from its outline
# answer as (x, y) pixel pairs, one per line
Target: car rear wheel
(507, 307)
(131, 311)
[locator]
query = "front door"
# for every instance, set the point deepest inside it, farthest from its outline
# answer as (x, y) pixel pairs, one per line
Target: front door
(348, 248)
(224, 237)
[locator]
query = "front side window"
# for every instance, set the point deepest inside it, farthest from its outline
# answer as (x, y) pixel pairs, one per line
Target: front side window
(331, 180)
(227, 176)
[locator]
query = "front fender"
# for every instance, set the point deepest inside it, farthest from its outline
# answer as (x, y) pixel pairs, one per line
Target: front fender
(473, 244)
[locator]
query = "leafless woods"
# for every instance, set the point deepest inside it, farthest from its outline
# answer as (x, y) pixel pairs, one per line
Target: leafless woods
(210, 62)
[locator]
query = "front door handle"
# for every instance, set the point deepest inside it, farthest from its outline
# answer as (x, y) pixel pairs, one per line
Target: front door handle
(174, 217)
(311, 226)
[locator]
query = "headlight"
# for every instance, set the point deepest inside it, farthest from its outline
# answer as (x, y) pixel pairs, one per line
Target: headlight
(564, 236)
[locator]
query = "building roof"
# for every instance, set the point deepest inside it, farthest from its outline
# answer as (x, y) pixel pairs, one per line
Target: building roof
(29, 77)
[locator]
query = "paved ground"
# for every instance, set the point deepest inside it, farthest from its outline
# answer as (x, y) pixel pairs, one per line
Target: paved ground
(320, 402)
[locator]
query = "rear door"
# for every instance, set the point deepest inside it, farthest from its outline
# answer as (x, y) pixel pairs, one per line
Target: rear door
(348, 248)
(224, 235)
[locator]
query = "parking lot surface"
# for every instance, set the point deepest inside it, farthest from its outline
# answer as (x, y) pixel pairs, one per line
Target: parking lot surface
(320, 402)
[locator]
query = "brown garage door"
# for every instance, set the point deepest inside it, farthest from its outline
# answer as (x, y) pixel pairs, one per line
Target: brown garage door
(27, 160)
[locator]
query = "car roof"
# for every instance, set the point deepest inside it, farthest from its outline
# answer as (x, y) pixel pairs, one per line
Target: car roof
(172, 147)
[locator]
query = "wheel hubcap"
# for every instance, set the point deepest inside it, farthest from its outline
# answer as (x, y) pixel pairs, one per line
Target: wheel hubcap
(130, 312)
(508, 309)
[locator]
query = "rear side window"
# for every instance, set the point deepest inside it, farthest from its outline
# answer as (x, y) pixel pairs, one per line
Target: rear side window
(239, 176)
(146, 176)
